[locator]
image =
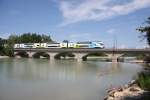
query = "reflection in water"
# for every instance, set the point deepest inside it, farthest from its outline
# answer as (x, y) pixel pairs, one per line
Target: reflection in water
(41, 79)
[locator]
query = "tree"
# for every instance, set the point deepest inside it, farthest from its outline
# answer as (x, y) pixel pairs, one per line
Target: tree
(46, 38)
(12, 40)
(28, 38)
(1, 46)
(146, 31)
(1, 42)
(24, 38)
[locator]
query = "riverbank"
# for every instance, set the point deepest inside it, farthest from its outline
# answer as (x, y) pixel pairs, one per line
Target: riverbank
(138, 89)
(136, 61)
(1, 57)
(129, 90)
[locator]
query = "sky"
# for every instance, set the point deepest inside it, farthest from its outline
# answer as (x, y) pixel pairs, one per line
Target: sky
(77, 20)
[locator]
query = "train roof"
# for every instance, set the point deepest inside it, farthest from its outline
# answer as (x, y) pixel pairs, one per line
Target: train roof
(87, 42)
(83, 42)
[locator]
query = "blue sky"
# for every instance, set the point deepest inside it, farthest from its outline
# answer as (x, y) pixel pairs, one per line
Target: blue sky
(77, 20)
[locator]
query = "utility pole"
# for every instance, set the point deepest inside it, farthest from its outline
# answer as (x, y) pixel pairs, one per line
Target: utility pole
(66, 41)
(114, 44)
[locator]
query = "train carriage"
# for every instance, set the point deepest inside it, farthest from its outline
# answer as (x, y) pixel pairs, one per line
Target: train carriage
(53, 45)
(28, 45)
(63, 45)
(83, 44)
(36, 45)
(72, 45)
(16, 45)
(90, 44)
(43, 45)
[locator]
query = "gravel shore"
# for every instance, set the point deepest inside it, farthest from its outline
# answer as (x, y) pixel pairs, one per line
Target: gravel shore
(130, 91)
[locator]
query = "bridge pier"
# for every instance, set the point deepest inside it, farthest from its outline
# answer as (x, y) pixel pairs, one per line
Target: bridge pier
(52, 55)
(114, 57)
(30, 54)
(15, 53)
(79, 56)
(16, 56)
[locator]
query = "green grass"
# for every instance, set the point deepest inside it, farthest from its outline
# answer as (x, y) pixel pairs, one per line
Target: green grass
(144, 81)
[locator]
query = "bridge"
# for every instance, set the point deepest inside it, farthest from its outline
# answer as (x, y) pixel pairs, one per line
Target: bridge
(79, 53)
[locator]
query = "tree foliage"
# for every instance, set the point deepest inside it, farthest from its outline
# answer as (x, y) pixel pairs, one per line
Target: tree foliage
(2, 41)
(146, 31)
(29, 38)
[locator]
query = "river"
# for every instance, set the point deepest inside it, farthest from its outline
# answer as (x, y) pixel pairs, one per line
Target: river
(42, 79)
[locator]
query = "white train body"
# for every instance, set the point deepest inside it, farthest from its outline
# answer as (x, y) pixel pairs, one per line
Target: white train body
(93, 44)
(52, 45)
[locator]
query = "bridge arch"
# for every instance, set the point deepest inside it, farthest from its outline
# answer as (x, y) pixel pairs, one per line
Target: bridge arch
(96, 54)
(80, 56)
(41, 55)
(132, 56)
(64, 55)
(22, 54)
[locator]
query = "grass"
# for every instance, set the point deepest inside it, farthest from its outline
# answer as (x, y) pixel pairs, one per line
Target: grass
(144, 80)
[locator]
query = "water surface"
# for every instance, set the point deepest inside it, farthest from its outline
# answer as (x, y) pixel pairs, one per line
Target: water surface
(42, 79)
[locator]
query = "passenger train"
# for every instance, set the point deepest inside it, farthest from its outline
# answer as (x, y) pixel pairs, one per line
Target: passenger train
(93, 44)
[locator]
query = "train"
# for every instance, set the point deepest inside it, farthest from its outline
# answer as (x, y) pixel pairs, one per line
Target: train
(89, 44)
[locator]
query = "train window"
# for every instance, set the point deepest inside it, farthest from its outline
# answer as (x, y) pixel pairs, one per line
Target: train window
(52, 46)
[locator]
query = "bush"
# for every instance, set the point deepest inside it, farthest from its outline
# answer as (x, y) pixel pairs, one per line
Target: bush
(2, 51)
(140, 57)
(147, 59)
(8, 51)
(144, 81)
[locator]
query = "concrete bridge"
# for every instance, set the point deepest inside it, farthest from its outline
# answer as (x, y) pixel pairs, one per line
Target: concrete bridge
(79, 53)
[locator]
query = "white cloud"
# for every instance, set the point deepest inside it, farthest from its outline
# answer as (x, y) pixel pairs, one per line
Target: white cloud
(97, 9)
(4, 35)
(123, 46)
(79, 35)
(111, 31)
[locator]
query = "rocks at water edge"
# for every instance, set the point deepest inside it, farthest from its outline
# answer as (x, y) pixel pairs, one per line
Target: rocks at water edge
(131, 89)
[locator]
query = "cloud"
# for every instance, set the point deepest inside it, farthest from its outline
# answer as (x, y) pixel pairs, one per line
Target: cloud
(79, 35)
(97, 10)
(123, 46)
(4, 35)
(111, 31)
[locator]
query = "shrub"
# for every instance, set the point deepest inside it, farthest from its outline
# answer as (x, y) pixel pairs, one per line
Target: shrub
(147, 59)
(8, 51)
(144, 81)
